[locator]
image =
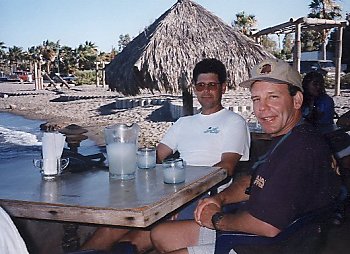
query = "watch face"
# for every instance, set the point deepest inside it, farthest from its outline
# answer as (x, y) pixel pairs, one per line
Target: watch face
(216, 218)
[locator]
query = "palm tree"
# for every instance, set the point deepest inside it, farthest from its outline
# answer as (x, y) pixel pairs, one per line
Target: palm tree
(16, 55)
(67, 59)
(245, 23)
(2, 53)
(324, 9)
(49, 53)
(87, 55)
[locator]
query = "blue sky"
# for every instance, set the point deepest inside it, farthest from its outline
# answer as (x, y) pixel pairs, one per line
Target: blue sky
(26, 23)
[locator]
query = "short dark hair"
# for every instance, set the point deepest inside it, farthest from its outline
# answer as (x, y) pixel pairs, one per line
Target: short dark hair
(293, 89)
(210, 65)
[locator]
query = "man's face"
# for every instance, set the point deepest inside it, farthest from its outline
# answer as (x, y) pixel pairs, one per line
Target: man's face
(209, 92)
(276, 110)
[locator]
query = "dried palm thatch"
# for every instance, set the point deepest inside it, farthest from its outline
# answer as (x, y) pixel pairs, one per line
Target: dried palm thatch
(163, 56)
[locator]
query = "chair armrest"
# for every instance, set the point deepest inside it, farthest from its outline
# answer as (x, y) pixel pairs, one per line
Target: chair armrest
(227, 240)
(310, 222)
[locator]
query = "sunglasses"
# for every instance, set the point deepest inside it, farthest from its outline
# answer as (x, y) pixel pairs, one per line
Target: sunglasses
(211, 86)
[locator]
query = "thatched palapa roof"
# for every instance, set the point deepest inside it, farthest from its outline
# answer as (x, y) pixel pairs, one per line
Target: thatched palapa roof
(167, 51)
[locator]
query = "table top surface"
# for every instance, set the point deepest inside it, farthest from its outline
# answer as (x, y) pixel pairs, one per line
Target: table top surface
(92, 197)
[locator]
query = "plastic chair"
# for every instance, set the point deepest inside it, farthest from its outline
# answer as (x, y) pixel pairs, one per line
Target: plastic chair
(303, 235)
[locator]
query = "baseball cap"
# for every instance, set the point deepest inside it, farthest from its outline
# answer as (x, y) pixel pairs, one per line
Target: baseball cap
(274, 70)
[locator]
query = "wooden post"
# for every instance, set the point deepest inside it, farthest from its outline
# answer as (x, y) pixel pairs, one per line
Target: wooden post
(103, 74)
(297, 47)
(324, 49)
(97, 77)
(36, 77)
(338, 55)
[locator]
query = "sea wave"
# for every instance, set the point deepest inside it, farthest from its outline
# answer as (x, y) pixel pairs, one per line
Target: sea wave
(16, 137)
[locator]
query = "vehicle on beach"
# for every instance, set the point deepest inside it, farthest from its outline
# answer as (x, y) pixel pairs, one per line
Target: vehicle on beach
(325, 67)
(24, 76)
(17, 76)
(3, 77)
(70, 79)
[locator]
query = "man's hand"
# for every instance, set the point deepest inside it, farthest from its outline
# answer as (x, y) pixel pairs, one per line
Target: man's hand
(205, 210)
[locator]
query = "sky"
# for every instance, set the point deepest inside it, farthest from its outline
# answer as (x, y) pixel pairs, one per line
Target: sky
(26, 23)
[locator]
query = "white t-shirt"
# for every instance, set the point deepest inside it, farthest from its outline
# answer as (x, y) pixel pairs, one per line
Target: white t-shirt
(201, 139)
(11, 241)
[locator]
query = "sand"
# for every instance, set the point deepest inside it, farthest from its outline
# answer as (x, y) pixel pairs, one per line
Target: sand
(94, 108)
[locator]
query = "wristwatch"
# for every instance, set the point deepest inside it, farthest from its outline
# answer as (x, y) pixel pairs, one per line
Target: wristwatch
(216, 218)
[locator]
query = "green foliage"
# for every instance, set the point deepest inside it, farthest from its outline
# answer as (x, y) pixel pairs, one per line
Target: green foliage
(55, 58)
(87, 55)
(244, 23)
(269, 44)
(345, 80)
(124, 40)
(311, 40)
(86, 77)
(321, 9)
(286, 52)
(324, 9)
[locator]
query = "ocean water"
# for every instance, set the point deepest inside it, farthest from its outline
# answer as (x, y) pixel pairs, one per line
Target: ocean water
(20, 139)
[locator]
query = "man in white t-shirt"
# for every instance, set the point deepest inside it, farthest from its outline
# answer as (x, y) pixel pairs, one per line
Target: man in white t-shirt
(214, 137)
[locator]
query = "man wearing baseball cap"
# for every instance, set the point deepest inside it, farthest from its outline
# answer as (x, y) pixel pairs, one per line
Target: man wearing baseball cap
(293, 178)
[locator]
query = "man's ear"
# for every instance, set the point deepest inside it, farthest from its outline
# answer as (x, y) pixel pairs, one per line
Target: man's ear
(223, 87)
(298, 100)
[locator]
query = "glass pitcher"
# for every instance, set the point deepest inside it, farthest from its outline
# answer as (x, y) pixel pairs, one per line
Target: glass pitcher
(121, 145)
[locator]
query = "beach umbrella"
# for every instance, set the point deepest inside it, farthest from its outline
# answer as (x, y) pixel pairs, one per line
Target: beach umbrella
(162, 57)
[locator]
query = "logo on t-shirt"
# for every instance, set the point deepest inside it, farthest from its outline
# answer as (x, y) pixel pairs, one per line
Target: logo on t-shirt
(214, 130)
(259, 181)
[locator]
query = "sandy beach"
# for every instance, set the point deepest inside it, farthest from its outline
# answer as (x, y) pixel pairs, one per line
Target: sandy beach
(95, 107)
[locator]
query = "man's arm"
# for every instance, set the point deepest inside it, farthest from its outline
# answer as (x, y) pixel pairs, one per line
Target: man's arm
(240, 221)
(163, 151)
(229, 162)
(245, 222)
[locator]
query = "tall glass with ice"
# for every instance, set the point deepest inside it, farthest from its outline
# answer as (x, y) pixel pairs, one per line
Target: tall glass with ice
(121, 146)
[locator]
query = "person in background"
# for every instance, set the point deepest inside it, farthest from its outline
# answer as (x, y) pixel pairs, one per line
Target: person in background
(318, 107)
(214, 137)
(286, 183)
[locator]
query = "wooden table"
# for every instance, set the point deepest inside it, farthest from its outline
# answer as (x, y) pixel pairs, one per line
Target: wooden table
(91, 197)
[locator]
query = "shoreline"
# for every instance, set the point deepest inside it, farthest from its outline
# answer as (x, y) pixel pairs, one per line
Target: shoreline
(92, 114)
(96, 109)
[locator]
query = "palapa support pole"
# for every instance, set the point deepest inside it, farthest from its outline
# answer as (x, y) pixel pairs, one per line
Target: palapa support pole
(187, 96)
(297, 47)
(338, 54)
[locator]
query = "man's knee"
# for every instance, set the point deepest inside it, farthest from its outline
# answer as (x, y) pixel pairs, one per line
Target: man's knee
(158, 237)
